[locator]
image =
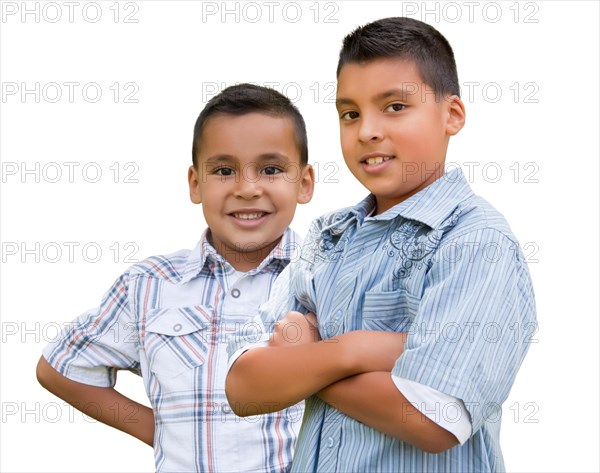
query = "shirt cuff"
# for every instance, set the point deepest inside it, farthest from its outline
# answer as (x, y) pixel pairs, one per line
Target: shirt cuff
(240, 351)
(447, 411)
(99, 376)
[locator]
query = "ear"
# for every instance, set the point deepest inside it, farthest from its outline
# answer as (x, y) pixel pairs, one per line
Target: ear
(307, 185)
(194, 182)
(456, 115)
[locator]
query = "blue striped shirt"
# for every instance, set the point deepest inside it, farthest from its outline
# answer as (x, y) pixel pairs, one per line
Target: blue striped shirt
(444, 266)
(169, 318)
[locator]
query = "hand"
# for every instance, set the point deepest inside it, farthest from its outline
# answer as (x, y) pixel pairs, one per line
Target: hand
(295, 329)
(313, 325)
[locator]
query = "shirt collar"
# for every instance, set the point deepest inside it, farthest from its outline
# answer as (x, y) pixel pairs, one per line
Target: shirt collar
(205, 254)
(435, 203)
(337, 222)
(430, 206)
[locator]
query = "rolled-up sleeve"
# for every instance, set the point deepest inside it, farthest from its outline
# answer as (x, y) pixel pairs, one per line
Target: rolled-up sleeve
(474, 323)
(99, 342)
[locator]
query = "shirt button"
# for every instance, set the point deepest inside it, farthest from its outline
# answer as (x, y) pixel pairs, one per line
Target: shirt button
(177, 327)
(330, 442)
(235, 293)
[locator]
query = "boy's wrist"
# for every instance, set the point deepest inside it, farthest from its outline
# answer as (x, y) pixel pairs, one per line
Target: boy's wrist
(368, 350)
(351, 353)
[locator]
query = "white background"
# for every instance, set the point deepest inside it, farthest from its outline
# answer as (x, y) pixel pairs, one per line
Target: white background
(171, 59)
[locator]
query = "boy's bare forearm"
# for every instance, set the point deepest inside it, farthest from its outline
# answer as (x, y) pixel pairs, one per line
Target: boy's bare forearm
(272, 378)
(275, 377)
(103, 404)
(373, 399)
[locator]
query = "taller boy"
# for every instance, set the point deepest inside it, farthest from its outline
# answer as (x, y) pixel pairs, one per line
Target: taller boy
(421, 259)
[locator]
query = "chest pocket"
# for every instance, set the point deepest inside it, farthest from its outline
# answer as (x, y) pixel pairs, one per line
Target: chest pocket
(177, 340)
(389, 311)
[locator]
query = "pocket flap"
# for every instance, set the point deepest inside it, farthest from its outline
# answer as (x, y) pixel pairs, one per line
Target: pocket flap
(379, 304)
(389, 311)
(178, 320)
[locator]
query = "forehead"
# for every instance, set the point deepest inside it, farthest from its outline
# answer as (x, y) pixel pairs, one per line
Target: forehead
(376, 77)
(248, 136)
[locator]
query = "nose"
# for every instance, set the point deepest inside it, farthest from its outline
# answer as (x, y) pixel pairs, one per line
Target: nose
(249, 186)
(370, 128)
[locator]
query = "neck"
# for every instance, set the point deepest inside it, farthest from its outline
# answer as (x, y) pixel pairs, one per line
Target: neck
(242, 260)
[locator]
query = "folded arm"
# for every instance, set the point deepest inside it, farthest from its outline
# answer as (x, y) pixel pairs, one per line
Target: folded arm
(373, 399)
(103, 404)
(294, 366)
(351, 372)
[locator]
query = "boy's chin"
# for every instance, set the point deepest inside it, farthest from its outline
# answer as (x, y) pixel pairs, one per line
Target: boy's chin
(251, 247)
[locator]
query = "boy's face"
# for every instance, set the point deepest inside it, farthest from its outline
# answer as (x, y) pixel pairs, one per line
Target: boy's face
(394, 133)
(249, 180)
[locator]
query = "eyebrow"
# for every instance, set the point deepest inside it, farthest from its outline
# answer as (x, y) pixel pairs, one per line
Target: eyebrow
(264, 157)
(402, 92)
(275, 157)
(220, 158)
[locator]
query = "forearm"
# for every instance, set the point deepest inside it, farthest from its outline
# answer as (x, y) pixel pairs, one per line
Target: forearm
(273, 378)
(103, 404)
(373, 399)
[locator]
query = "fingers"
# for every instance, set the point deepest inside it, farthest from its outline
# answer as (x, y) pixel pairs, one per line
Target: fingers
(295, 329)
(311, 318)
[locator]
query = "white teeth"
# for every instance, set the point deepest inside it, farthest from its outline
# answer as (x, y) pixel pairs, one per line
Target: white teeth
(378, 159)
(252, 216)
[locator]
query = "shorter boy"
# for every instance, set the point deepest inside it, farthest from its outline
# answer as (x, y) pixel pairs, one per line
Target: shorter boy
(170, 318)
(422, 270)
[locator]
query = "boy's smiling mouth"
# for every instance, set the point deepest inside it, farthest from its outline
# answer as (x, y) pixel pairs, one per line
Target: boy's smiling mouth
(248, 215)
(249, 218)
(375, 160)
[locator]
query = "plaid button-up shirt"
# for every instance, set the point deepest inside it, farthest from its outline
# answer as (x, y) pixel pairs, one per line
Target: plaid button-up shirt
(170, 318)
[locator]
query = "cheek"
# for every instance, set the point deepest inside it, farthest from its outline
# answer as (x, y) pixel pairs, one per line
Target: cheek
(209, 213)
(418, 137)
(346, 137)
(349, 151)
(212, 199)
(286, 193)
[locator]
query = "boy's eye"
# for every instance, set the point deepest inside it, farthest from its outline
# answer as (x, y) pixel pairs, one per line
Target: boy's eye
(395, 107)
(271, 170)
(351, 115)
(223, 172)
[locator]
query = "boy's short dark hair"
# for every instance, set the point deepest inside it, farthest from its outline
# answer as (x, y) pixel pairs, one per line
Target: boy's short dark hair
(409, 39)
(246, 98)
